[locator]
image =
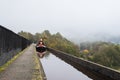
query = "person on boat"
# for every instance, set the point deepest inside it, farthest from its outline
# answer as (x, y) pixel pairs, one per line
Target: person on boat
(40, 47)
(40, 42)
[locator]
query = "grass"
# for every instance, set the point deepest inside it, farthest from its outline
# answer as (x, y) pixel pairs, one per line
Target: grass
(3, 67)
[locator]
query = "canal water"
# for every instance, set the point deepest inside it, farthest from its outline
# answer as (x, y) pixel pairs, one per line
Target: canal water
(57, 69)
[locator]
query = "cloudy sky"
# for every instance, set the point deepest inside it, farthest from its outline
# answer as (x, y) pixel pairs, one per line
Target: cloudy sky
(72, 18)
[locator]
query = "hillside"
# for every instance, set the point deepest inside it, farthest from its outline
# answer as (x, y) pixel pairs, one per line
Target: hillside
(56, 41)
(105, 53)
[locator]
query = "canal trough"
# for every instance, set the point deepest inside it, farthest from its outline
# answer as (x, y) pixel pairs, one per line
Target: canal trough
(57, 69)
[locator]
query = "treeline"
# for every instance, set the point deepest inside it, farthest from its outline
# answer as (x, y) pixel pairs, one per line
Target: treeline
(56, 41)
(105, 53)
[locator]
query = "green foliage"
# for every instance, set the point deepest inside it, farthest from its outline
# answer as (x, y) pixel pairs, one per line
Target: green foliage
(108, 56)
(57, 41)
(105, 53)
(26, 35)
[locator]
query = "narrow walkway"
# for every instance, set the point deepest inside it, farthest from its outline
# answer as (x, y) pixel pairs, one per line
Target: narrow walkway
(23, 68)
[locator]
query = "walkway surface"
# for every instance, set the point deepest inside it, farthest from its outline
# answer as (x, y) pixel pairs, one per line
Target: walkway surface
(23, 68)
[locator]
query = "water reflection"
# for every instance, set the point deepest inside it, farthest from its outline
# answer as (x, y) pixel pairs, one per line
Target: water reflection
(56, 69)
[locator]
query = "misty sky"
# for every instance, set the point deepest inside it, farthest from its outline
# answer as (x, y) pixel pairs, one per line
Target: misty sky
(72, 18)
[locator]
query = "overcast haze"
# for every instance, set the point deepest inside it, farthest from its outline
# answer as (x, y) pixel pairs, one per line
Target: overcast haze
(72, 18)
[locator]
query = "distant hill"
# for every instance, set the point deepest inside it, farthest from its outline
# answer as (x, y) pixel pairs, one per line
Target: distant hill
(105, 37)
